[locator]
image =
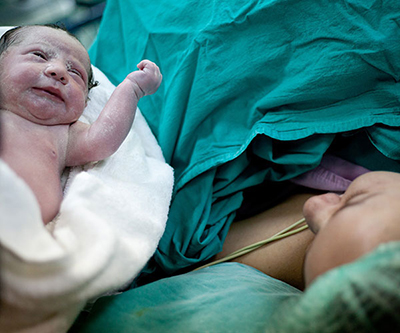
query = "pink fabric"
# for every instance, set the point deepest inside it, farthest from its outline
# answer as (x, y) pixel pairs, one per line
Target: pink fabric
(333, 174)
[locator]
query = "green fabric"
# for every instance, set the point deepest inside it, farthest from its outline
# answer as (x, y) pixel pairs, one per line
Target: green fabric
(362, 296)
(358, 149)
(359, 297)
(253, 91)
(225, 298)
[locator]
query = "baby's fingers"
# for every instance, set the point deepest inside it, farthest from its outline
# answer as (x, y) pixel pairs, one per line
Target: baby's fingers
(141, 65)
(150, 67)
(148, 77)
(147, 64)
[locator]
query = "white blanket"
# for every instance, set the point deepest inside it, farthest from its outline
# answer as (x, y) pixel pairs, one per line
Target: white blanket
(111, 220)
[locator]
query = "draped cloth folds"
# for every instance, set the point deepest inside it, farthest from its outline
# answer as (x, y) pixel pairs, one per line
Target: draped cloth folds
(253, 92)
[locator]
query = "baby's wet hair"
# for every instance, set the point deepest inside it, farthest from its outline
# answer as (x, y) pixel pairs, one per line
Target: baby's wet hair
(10, 37)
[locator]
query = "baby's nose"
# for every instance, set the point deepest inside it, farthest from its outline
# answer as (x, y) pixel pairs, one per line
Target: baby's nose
(57, 76)
(57, 72)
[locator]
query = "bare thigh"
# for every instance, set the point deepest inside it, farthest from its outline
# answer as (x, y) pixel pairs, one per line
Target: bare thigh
(282, 259)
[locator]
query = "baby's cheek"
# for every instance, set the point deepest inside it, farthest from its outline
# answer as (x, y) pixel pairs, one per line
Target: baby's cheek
(80, 105)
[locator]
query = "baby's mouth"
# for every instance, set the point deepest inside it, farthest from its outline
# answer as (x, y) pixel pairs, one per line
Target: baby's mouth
(52, 93)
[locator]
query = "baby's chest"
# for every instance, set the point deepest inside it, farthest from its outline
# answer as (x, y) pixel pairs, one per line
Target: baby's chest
(41, 145)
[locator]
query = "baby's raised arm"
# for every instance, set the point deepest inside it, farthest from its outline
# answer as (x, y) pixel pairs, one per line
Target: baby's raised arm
(106, 134)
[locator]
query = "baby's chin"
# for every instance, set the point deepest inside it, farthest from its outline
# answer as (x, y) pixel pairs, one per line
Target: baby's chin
(49, 120)
(49, 116)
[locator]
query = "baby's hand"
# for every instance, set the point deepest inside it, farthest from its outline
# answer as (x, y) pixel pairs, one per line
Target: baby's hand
(147, 78)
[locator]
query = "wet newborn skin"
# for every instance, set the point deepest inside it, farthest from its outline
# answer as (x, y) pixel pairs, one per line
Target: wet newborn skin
(44, 78)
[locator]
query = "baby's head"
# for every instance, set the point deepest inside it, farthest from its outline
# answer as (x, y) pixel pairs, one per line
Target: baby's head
(10, 37)
(351, 225)
(43, 70)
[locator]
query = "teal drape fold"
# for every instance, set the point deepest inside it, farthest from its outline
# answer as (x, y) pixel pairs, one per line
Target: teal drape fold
(253, 91)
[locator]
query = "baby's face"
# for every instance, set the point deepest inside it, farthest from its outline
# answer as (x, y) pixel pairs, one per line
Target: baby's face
(353, 224)
(44, 76)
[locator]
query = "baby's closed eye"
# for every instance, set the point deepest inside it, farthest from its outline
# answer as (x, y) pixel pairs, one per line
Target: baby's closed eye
(40, 54)
(74, 70)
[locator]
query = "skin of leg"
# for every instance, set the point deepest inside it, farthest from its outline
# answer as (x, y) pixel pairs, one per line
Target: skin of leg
(282, 259)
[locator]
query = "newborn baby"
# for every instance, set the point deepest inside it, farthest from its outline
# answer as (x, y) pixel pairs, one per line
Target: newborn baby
(45, 77)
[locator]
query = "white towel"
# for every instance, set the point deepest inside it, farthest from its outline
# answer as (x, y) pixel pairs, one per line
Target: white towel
(110, 222)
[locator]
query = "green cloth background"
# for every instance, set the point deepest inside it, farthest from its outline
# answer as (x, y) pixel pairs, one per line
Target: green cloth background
(224, 298)
(362, 296)
(253, 92)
